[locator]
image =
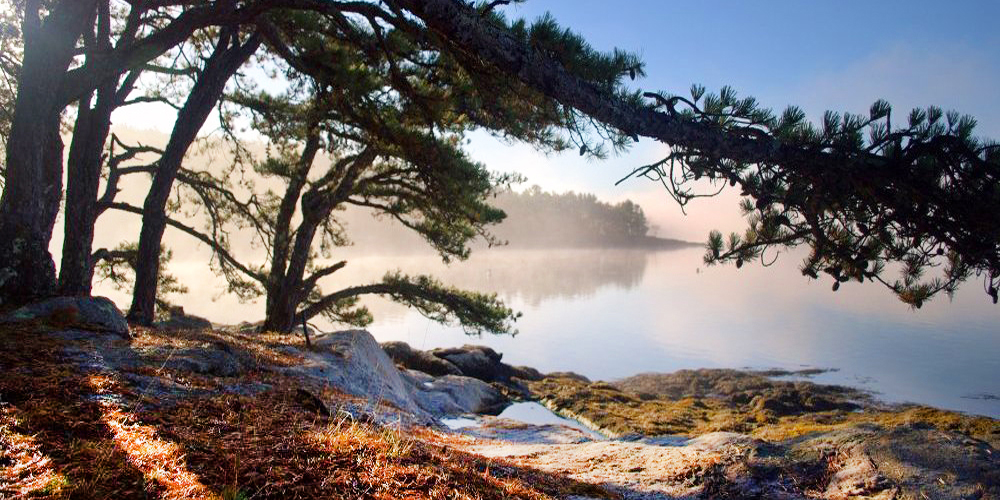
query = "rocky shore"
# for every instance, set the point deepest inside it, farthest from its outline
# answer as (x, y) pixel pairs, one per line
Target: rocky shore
(716, 433)
(688, 434)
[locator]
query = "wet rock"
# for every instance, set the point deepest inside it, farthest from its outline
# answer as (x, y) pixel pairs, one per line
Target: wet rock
(86, 313)
(453, 395)
(414, 359)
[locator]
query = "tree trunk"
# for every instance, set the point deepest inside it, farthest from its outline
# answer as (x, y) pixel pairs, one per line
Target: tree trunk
(33, 188)
(223, 63)
(284, 297)
(283, 222)
(281, 315)
(83, 179)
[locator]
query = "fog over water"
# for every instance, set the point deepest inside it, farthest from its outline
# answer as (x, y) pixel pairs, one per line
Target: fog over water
(611, 313)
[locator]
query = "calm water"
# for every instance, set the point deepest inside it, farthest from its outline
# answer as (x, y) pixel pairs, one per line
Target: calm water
(609, 314)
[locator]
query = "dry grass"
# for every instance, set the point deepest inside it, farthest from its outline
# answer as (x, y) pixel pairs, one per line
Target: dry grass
(66, 434)
(264, 348)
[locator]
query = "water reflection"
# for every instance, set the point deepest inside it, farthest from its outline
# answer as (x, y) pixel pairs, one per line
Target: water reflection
(533, 276)
(613, 313)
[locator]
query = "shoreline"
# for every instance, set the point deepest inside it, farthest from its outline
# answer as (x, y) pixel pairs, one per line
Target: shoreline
(203, 394)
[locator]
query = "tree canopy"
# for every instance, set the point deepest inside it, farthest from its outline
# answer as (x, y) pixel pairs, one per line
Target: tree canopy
(398, 83)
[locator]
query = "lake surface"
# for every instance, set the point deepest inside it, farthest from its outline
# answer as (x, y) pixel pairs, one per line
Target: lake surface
(609, 314)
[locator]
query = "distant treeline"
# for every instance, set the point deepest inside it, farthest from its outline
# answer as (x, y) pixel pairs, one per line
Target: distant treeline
(537, 218)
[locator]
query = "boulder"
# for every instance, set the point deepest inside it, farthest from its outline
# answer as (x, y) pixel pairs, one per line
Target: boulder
(477, 361)
(453, 395)
(248, 327)
(527, 373)
(87, 313)
(209, 360)
(414, 359)
(353, 362)
(179, 320)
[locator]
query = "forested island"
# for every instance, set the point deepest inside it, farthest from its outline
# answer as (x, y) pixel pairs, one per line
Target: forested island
(535, 218)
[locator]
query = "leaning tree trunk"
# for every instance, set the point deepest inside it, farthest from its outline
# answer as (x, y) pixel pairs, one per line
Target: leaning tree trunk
(279, 310)
(283, 297)
(223, 63)
(33, 187)
(83, 179)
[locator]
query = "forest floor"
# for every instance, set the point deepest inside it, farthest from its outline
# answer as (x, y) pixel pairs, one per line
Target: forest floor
(71, 428)
(70, 433)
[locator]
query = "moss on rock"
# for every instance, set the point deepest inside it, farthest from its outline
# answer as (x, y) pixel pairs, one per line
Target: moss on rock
(694, 402)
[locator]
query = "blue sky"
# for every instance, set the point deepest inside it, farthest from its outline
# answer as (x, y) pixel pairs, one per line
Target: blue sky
(839, 55)
(819, 55)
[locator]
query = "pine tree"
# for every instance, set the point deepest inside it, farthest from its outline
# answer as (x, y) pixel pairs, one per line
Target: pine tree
(865, 192)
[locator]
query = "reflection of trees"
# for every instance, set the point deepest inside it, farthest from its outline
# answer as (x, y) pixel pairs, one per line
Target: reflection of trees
(536, 276)
(531, 276)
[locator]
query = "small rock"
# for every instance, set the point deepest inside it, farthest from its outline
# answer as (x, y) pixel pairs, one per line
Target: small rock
(310, 402)
(179, 320)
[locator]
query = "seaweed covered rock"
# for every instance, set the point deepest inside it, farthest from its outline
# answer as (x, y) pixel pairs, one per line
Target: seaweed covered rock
(785, 401)
(751, 390)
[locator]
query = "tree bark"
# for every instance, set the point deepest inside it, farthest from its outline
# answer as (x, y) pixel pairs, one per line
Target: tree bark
(83, 179)
(282, 227)
(223, 63)
(33, 188)
(93, 124)
(284, 297)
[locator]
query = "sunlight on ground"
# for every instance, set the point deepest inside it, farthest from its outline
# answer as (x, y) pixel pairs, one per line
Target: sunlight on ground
(24, 469)
(159, 460)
